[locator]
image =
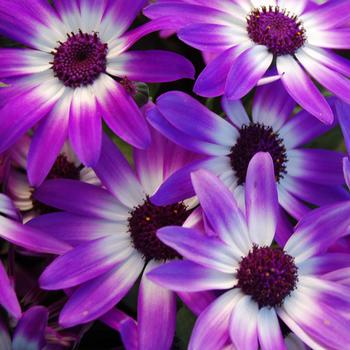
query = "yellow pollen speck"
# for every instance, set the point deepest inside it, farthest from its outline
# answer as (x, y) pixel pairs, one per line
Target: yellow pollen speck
(147, 218)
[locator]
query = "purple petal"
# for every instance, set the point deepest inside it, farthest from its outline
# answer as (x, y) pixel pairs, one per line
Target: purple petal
(159, 122)
(211, 37)
(211, 82)
(156, 311)
(211, 328)
(179, 185)
(302, 89)
(221, 210)
(331, 80)
(198, 247)
(85, 126)
(8, 298)
(192, 118)
(85, 262)
(89, 200)
(186, 276)
(246, 71)
(30, 238)
(74, 229)
(43, 152)
(94, 298)
(30, 331)
(342, 113)
(269, 331)
(337, 38)
(272, 105)
(121, 112)
(244, 324)
(151, 66)
(261, 199)
(118, 177)
(235, 112)
(308, 240)
(197, 301)
(346, 171)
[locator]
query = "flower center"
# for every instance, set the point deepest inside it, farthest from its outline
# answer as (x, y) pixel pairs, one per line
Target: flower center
(62, 169)
(146, 219)
(80, 59)
(277, 29)
(268, 275)
(255, 138)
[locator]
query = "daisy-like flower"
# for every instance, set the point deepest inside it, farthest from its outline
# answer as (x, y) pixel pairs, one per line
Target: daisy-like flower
(114, 234)
(76, 70)
(252, 35)
(262, 282)
(302, 174)
(66, 166)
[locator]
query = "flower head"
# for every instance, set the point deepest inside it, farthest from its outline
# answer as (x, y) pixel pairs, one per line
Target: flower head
(72, 72)
(250, 36)
(262, 282)
(227, 145)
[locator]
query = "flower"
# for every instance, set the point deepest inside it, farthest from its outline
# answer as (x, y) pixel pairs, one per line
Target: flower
(66, 166)
(73, 72)
(261, 281)
(113, 233)
(251, 35)
(302, 174)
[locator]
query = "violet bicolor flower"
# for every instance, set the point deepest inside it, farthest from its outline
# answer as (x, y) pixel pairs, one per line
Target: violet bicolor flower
(251, 35)
(72, 74)
(114, 234)
(302, 174)
(262, 282)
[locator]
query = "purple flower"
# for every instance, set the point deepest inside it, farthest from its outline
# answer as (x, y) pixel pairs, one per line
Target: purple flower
(73, 72)
(251, 35)
(114, 234)
(262, 283)
(302, 175)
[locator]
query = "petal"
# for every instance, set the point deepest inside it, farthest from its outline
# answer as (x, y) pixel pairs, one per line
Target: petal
(342, 113)
(308, 240)
(186, 276)
(30, 331)
(8, 298)
(272, 105)
(30, 238)
(197, 301)
(261, 199)
(235, 112)
(43, 152)
(331, 80)
(156, 311)
(211, 81)
(75, 229)
(346, 170)
(85, 262)
(246, 71)
(118, 177)
(302, 89)
(329, 38)
(89, 200)
(244, 324)
(85, 126)
(269, 331)
(221, 210)
(121, 112)
(191, 117)
(151, 66)
(179, 186)
(94, 298)
(211, 330)
(199, 248)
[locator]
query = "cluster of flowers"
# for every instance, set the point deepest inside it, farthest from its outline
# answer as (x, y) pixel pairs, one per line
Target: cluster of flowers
(229, 214)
